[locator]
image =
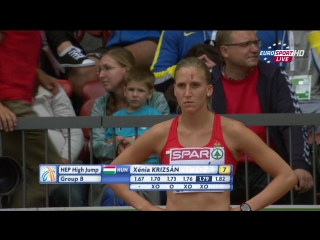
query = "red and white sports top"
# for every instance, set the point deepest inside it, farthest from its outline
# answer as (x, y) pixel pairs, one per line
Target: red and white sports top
(214, 152)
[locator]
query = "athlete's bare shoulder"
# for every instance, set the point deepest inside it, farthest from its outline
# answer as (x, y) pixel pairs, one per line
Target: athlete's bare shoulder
(232, 127)
(161, 129)
(158, 135)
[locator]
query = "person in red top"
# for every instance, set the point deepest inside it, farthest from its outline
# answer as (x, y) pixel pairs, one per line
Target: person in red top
(243, 84)
(20, 51)
(198, 127)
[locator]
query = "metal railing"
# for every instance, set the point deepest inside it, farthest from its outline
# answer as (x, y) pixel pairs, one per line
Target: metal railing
(268, 120)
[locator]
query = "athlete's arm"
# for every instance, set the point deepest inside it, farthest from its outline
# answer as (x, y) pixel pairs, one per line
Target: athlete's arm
(242, 139)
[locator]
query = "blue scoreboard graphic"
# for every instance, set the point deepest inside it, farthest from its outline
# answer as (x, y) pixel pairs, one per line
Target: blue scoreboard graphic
(142, 177)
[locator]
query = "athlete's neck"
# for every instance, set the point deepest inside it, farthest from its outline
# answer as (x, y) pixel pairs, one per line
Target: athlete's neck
(196, 121)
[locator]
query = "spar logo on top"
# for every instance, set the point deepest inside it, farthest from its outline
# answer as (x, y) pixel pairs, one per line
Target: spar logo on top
(109, 169)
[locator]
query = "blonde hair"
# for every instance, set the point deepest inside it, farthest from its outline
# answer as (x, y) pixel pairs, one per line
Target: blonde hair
(199, 64)
(124, 58)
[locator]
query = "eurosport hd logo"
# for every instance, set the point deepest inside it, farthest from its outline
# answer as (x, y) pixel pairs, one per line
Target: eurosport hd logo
(286, 55)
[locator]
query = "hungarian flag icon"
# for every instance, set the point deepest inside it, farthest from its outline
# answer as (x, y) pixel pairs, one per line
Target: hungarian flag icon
(107, 169)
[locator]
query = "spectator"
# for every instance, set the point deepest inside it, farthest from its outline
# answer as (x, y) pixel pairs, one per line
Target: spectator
(138, 88)
(198, 127)
(111, 70)
(59, 105)
(243, 84)
(173, 46)
(301, 66)
(66, 49)
(62, 50)
(141, 43)
(19, 61)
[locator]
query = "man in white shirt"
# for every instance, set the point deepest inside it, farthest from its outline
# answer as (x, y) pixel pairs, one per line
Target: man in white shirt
(46, 105)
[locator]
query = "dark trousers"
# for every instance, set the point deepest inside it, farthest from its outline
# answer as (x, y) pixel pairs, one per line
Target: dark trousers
(35, 155)
(66, 195)
(258, 180)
